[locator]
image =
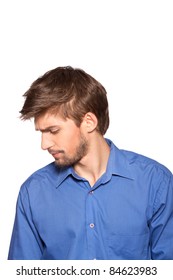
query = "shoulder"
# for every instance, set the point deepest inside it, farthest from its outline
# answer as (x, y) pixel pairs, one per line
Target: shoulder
(138, 166)
(41, 179)
(147, 167)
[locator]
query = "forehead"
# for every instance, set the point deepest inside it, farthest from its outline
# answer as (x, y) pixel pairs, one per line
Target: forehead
(48, 119)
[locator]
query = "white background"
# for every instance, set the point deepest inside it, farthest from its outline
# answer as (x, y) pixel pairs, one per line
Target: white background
(126, 45)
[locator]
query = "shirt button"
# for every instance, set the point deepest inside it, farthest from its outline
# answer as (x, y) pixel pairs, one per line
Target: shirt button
(92, 225)
(91, 192)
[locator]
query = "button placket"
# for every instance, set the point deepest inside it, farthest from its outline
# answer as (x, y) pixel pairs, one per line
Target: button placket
(90, 220)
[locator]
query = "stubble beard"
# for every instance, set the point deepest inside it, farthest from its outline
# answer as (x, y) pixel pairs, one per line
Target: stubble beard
(80, 152)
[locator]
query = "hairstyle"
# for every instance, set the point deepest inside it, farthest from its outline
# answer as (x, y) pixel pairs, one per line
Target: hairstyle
(70, 92)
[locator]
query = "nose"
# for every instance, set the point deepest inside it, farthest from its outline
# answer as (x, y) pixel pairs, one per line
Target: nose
(46, 142)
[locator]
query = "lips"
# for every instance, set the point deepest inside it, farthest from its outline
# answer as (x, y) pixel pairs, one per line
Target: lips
(55, 154)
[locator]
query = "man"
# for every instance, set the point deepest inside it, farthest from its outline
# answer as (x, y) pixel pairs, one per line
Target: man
(94, 201)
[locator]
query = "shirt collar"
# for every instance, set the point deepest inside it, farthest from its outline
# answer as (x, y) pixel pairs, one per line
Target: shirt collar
(63, 173)
(117, 165)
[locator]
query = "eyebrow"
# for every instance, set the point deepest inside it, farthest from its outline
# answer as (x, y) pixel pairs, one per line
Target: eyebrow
(47, 129)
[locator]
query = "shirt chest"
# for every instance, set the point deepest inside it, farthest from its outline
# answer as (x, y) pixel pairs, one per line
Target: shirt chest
(118, 207)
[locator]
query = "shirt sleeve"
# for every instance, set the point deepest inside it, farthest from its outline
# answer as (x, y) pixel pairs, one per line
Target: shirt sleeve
(161, 225)
(25, 241)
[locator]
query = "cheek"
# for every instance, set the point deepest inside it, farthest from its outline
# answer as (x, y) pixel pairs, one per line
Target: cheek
(70, 139)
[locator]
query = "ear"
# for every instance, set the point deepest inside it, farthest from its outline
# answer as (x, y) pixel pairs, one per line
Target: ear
(90, 121)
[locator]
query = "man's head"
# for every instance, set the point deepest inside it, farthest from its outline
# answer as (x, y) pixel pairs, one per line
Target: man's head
(71, 93)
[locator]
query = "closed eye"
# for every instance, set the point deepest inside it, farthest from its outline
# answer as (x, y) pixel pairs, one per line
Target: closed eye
(55, 131)
(51, 130)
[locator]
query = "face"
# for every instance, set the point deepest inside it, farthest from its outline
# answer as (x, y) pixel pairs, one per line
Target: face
(62, 139)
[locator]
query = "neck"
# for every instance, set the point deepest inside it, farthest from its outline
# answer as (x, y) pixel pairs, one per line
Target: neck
(94, 164)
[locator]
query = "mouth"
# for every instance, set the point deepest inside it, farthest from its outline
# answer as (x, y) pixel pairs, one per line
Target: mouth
(56, 154)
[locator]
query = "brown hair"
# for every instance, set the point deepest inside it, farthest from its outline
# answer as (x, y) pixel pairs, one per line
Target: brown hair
(70, 91)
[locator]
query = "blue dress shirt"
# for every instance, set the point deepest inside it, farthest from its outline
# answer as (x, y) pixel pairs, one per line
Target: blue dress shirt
(127, 214)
